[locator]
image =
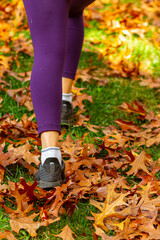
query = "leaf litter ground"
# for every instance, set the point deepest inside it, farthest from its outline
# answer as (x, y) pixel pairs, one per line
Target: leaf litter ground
(110, 166)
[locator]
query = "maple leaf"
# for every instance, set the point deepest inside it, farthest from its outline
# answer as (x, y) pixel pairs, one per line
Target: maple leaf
(81, 120)
(22, 96)
(140, 109)
(125, 125)
(76, 91)
(148, 205)
(7, 158)
(145, 177)
(30, 225)
(149, 228)
(139, 163)
(153, 140)
(143, 205)
(111, 194)
(66, 234)
(117, 139)
(79, 100)
(58, 198)
(8, 235)
(25, 151)
(107, 210)
(92, 178)
(92, 128)
(21, 201)
(29, 189)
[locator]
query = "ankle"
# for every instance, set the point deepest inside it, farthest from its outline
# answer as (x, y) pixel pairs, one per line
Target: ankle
(49, 139)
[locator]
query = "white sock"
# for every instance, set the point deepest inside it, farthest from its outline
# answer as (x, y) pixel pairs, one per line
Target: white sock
(67, 97)
(51, 152)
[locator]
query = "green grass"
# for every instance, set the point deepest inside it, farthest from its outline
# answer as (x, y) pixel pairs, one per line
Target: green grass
(105, 99)
(142, 50)
(115, 94)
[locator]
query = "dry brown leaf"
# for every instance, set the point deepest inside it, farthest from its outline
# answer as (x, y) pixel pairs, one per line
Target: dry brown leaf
(66, 234)
(28, 224)
(139, 163)
(8, 235)
(25, 152)
(107, 210)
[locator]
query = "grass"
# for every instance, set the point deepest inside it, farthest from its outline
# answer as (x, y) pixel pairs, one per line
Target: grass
(142, 50)
(106, 99)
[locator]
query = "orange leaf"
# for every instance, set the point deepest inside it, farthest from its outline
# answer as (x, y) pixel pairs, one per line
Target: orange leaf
(107, 210)
(7, 235)
(139, 163)
(66, 234)
(28, 224)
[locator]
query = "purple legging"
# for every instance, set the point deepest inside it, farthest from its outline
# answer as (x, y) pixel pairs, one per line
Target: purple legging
(57, 33)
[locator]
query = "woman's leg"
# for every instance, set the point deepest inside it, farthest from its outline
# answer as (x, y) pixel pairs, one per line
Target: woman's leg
(47, 21)
(75, 37)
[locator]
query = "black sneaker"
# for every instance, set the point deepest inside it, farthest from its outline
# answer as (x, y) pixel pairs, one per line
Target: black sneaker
(66, 112)
(51, 174)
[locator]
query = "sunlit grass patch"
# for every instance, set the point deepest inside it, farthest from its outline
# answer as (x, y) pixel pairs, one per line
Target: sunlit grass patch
(135, 49)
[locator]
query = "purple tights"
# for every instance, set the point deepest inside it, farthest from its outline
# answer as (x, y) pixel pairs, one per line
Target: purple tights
(57, 33)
